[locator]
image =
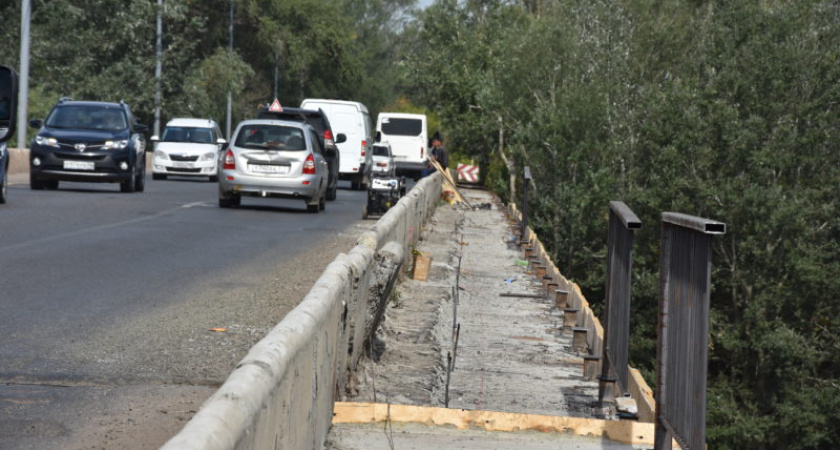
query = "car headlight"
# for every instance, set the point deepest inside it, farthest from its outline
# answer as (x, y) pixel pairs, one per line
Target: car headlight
(115, 145)
(208, 156)
(48, 141)
(160, 154)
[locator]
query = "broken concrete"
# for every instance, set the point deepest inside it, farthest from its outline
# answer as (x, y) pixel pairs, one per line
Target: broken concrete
(515, 352)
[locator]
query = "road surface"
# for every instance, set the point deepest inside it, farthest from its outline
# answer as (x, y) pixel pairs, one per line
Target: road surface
(108, 301)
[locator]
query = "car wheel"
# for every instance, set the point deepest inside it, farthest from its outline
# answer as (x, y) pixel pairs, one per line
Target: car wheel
(322, 204)
(354, 185)
(158, 176)
(313, 205)
(51, 185)
(36, 185)
(332, 193)
(129, 185)
(229, 199)
(140, 182)
(214, 178)
(3, 185)
(364, 212)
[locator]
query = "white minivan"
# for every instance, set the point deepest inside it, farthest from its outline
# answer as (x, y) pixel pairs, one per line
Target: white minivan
(408, 138)
(351, 119)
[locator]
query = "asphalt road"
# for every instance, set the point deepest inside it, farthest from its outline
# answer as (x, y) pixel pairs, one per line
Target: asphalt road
(107, 301)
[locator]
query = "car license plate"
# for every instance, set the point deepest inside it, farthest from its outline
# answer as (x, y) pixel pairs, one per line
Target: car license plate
(400, 157)
(268, 168)
(181, 165)
(78, 165)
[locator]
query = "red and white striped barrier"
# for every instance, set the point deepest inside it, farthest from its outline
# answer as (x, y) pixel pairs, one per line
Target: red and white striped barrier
(467, 173)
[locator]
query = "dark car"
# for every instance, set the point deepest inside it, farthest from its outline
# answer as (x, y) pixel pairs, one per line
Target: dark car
(89, 142)
(8, 107)
(4, 171)
(318, 120)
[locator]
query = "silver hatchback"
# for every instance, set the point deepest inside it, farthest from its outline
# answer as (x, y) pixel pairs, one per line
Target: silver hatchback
(273, 158)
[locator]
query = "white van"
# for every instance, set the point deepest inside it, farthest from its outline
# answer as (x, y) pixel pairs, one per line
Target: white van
(352, 119)
(408, 138)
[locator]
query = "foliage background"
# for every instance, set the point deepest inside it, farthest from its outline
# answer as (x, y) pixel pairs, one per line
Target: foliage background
(726, 110)
(720, 109)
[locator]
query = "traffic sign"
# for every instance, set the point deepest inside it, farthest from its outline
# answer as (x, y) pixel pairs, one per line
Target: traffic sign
(276, 107)
(467, 173)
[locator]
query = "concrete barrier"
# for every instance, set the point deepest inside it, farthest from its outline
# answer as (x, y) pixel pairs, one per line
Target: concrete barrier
(281, 395)
(19, 161)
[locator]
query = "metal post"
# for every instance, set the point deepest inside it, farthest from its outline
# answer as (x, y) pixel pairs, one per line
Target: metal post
(158, 66)
(23, 91)
(229, 114)
(525, 183)
(682, 349)
(276, 74)
(616, 318)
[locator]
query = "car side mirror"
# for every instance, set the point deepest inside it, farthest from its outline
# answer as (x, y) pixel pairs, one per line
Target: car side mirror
(141, 128)
(36, 123)
(154, 138)
(378, 137)
(340, 137)
(221, 141)
(8, 102)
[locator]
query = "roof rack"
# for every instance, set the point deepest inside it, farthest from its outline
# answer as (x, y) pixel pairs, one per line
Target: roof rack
(65, 99)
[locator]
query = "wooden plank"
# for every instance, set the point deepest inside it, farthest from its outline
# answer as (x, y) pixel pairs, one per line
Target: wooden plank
(623, 431)
(521, 294)
(448, 179)
(422, 263)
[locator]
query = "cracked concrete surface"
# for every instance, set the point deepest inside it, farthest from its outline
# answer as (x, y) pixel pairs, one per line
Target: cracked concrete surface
(512, 355)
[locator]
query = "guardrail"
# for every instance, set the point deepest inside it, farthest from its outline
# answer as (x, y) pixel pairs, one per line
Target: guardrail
(682, 349)
(615, 363)
(281, 394)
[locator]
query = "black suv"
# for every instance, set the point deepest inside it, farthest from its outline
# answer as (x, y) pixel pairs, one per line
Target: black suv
(90, 142)
(318, 120)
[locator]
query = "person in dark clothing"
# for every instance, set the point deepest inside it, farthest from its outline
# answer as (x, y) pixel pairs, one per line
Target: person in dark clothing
(439, 154)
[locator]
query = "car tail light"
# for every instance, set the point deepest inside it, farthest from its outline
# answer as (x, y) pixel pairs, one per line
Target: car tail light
(230, 161)
(328, 138)
(422, 150)
(364, 147)
(381, 164)
(309, 165)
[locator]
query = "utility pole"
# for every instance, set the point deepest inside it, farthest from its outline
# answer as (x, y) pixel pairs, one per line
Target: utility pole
(158, 66)
(23, 92)
(276, 73)
(230, 53)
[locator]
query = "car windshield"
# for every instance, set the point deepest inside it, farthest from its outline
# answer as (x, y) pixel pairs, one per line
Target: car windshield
(88, 117)
(187, 134)
(270, 137)
(402, 127)
(381, 150)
